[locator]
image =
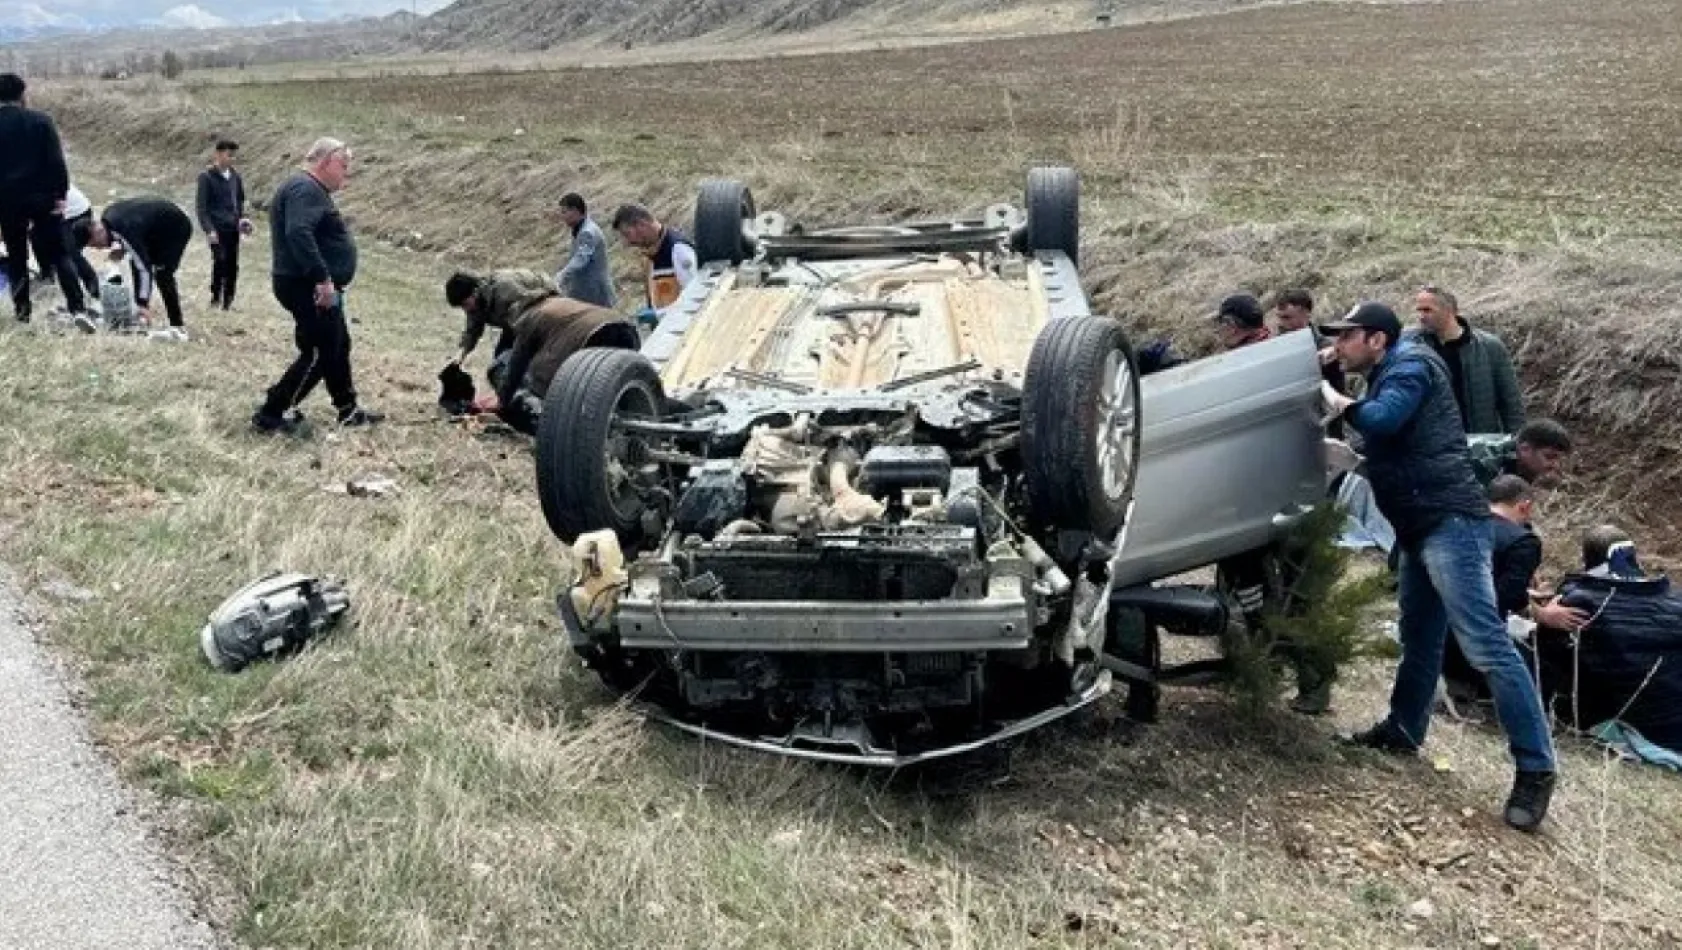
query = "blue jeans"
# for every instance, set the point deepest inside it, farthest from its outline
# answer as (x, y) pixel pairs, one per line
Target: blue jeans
(1447, 583)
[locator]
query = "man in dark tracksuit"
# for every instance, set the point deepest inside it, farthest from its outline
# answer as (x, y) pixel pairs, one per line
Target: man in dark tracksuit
(1423, 482)
(154, 234)
(314, 261)
(221, 213)
(33, 183)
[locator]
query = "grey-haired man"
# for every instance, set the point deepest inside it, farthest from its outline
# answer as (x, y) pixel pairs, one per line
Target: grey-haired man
(314, 261)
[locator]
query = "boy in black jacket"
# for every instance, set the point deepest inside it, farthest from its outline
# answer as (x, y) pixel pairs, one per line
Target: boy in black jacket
(220, 207)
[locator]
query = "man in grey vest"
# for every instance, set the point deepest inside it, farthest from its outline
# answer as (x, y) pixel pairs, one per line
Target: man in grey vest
(586, 276)
(1421, 473)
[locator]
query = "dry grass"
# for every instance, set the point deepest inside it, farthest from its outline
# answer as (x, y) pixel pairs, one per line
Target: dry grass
(439, 773)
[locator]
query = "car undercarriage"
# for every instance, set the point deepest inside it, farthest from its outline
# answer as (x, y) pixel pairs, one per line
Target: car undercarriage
(865, 493)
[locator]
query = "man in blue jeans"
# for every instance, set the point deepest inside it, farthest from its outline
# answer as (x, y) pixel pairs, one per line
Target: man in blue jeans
(1421, 473)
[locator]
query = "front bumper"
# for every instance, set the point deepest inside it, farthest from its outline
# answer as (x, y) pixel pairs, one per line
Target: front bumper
(994, 623)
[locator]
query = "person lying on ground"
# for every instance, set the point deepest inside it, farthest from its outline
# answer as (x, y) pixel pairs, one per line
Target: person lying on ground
(153, 234)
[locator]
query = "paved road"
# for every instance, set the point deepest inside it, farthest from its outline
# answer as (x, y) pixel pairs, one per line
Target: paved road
(76, 869)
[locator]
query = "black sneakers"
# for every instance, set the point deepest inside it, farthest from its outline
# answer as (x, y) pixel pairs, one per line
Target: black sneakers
(358, 416)
(1528, 803)
(293, 423)
(1384, 737)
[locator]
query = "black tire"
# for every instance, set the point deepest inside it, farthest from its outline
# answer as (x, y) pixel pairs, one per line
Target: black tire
(1065, 429)
(573, 484)
(1054, 211)
(722, 211)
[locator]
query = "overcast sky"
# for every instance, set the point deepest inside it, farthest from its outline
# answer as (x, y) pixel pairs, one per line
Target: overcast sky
(192, 13)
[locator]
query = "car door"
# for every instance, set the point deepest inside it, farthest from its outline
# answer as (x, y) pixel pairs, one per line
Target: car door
(1232, 447)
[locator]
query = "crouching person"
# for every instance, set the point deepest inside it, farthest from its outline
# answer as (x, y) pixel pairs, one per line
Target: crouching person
(543, 339)
(1611, 649)
(497, 299)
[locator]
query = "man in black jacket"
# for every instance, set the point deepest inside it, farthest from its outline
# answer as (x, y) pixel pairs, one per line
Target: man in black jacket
(314, 261)
(153, 234)
(221, 213)
(33, 183)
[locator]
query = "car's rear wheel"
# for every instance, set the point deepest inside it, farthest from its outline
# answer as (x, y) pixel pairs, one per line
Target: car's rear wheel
(1081, 425)
(591, 473)
(724, 215)
(1054, 211)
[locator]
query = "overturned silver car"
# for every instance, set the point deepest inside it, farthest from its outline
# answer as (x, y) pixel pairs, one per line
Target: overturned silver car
(875, 494)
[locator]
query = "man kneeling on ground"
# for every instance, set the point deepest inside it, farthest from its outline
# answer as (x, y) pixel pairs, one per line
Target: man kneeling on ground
(543, 339)
(1517, 554)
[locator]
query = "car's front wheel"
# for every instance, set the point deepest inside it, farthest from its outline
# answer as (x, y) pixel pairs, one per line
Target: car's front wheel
(1081, 425)
(592, 473)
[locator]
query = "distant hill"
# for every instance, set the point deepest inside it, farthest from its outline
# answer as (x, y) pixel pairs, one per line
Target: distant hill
(540, 24)
(525, 26)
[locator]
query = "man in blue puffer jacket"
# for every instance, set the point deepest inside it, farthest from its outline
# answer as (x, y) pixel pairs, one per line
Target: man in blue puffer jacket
(1422, 479)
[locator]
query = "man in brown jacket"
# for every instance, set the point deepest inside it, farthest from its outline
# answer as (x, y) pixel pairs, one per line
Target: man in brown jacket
(543, 338)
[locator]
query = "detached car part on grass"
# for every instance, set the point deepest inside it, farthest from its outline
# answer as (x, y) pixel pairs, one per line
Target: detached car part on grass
(269, 617)
(875, 494)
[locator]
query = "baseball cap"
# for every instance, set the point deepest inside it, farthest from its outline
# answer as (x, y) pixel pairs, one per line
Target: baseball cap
(1241, 310)
(1370, 315)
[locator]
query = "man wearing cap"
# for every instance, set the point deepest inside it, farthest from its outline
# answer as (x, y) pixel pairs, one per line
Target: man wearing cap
(1239, 322)
(586, 275)
(1422, 479)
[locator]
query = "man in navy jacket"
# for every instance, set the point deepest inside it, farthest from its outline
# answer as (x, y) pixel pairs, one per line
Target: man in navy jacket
(1422, 479)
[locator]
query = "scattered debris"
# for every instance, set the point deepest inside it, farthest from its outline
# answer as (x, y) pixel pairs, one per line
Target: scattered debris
(1422, 909)
(367, 486)
(275, 614)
